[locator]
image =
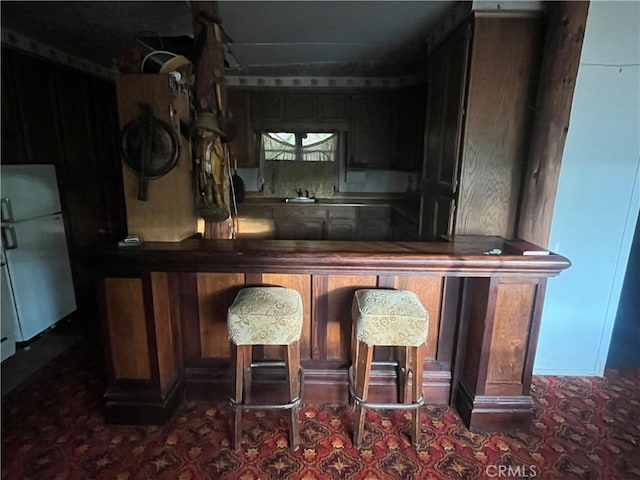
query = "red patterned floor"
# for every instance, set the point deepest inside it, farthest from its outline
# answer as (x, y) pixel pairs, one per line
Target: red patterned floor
(585, 428)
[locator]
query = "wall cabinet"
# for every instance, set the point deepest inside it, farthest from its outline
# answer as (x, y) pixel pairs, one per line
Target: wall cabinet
(370, 141)
(266, 106)
(385, 127)
(333, 107)
(403, 228)
(342, 223)
(240, 147)
(297, 222)
(408, 114)
(447, 75)
(373, 223)
(482, 83)
(299, 106)
(300, 229)
(340, 229)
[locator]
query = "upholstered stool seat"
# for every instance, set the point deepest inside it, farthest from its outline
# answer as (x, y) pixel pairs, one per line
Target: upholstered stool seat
(265, 316)
(394, 318)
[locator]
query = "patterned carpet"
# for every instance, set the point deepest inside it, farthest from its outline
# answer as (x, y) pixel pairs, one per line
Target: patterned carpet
(585, 428)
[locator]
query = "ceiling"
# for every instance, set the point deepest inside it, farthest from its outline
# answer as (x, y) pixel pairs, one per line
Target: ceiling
(267, 38)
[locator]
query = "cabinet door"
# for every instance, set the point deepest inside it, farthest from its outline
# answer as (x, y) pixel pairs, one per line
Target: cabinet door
(409, 109)
(238, 103)
(333, 107)
(435, 115)
(447, 80)
(373, 224)
(266, 106)
(437, 216)
(403, 229)
(457, 52)
(299, 106)
(371, 138)
(299, 230)
(341, 229)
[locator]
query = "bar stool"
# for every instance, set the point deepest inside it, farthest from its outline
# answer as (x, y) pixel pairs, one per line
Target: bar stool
(265, 316)
(393, 318)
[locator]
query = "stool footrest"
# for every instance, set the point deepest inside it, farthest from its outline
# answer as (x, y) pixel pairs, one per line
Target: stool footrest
(279, 406)
(389, 406)
(268, 364)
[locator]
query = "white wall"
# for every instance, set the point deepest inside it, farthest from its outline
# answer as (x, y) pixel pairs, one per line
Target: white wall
(598, 195)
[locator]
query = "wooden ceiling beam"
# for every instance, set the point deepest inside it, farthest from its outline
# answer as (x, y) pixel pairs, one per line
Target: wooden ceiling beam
(561, 58)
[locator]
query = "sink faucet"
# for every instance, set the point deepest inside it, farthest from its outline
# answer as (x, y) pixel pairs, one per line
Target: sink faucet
(300, 195)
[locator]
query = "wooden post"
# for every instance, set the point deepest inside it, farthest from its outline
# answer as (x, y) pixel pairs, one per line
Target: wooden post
(561, 57)
(212, 154)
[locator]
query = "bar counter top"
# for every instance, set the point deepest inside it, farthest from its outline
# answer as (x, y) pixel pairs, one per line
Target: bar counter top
(460, 256)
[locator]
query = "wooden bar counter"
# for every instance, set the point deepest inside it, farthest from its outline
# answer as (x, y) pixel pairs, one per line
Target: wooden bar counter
(164, 319)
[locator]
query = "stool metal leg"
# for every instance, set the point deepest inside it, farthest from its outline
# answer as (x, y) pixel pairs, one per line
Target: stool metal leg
(363, 372)
(417, 367)
(292, 359)
(354, 360)
(247, 353)
(403, 358)
(237, 357)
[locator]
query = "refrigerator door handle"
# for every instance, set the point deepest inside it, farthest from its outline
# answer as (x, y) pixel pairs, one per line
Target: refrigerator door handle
(6, 212)
(9, 239)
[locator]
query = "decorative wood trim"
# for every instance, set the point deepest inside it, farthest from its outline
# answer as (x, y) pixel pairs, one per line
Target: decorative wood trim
(141, 409)
(150, 325)
(189, 317)
(164, 331)
(21, 42)
(484, 413)
(460, 257)
(450, 311)
(532, 338)
(127, 328)
(386, 281)
(253, 279)
(320, 307)
(256, 81)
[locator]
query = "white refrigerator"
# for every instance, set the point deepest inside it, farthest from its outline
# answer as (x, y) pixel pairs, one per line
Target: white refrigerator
(38, 271)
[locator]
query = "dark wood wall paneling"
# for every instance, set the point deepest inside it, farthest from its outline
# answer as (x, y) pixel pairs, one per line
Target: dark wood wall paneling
(55, 114)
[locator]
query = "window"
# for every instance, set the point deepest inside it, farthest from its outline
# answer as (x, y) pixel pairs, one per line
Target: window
(300, 146)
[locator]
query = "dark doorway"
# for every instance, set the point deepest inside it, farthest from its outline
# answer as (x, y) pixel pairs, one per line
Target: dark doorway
(624, 350)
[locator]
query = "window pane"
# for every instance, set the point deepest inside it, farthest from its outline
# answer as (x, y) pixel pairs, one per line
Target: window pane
(311, 138)
(276, 147)
(285, 137)
(319, 147)
(316, 147)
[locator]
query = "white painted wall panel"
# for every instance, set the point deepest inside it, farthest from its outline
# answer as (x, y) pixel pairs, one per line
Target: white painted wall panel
(598, 195)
